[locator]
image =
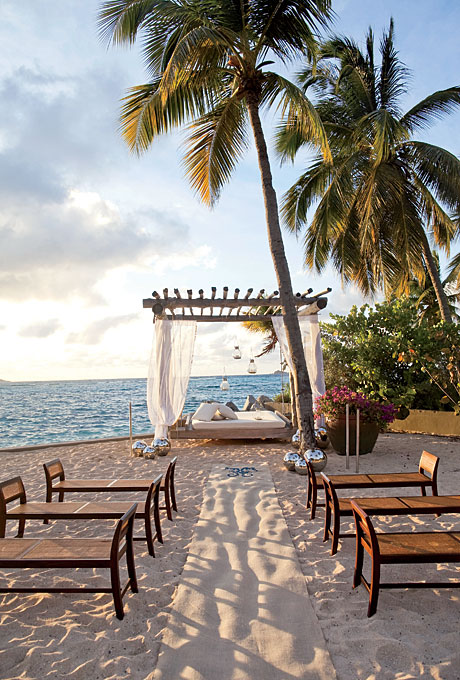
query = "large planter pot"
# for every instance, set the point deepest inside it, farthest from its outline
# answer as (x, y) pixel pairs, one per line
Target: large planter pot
(368, 433)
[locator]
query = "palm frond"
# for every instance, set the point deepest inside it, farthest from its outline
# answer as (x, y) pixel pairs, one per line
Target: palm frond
(215, 143)
(432, 108)
(298, 112)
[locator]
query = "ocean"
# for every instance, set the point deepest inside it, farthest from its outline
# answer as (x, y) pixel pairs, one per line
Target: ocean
(68, 410)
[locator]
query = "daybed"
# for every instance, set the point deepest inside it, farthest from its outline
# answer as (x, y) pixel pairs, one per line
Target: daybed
(246, 425)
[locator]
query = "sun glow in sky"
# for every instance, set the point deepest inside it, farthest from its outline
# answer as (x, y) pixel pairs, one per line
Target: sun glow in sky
(87, 230)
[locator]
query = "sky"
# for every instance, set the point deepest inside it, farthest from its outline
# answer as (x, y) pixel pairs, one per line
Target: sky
(87, 229)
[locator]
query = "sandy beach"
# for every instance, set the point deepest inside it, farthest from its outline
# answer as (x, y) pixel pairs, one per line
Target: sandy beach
(413, 635)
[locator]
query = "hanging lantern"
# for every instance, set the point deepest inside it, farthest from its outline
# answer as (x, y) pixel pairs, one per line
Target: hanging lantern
(224, 386)
(236, 352)
(252, 368)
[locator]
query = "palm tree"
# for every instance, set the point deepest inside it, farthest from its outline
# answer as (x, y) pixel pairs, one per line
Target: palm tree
(384, 194)
(207, 61)
(424, 297)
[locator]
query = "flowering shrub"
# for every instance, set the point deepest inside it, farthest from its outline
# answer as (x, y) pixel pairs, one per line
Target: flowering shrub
(332, 404)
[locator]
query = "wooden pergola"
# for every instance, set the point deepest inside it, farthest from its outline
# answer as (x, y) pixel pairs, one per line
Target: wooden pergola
(230, 308)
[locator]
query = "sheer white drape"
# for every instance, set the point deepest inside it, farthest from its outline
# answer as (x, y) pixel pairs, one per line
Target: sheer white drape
(169, 372)
(311, 341)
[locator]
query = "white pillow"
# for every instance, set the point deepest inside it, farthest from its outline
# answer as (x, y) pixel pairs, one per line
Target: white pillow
(227, 412)
(205, 412)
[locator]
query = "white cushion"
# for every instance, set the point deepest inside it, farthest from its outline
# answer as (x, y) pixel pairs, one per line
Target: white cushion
(217, 416)
(227, 412)
(205, 412)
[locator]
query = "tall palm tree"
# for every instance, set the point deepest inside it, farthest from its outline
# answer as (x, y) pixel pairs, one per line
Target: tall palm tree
(207, 61)
(384, 195)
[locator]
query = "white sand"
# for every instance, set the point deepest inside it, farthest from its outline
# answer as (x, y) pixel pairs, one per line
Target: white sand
(413, 635)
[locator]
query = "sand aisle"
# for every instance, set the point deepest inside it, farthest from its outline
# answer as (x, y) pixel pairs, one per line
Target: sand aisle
(242, 610)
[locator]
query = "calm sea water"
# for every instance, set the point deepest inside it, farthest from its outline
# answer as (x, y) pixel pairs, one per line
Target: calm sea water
(67, 410)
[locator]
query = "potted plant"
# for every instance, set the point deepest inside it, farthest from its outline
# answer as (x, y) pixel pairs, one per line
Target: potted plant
(374, 416)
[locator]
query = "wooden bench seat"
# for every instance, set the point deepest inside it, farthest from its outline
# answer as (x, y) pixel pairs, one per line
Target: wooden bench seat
(75, 553)
(425, 478)
(13, 489)
(433, 547)
(55, 470)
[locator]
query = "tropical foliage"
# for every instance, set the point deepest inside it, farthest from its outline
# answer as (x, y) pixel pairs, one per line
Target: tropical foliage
(385, 193)
(388, 354)
(208, 63)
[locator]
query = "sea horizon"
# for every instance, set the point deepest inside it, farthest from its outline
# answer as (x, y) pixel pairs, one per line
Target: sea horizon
(50, 411)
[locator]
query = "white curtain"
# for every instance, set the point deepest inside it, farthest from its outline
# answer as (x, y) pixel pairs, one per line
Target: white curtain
(311, 341)
(169, 372)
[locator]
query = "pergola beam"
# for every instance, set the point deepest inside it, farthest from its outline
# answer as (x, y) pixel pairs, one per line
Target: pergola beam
(172, 303)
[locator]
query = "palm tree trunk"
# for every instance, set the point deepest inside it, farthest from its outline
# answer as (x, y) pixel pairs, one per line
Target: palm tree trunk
(441, 297)
(302, 387)
(293, 403)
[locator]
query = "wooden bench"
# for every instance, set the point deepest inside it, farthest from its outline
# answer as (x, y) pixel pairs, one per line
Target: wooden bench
(427, 547)
(13, 490)
(55, 470)
(76, 553)
(337, 507)
(426, 477)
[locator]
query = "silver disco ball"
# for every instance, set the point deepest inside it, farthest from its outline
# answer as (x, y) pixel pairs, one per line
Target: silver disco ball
(161, 446)
(138, 448)
(290, 459)
(301, 467)
(322, 438)
(317, 459)
(149, 452)
(295, 441)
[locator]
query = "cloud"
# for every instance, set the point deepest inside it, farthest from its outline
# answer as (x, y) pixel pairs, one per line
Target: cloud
(42, 329)
(93, 333)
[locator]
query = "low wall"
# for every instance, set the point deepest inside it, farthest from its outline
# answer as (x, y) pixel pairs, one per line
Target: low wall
(443, 423)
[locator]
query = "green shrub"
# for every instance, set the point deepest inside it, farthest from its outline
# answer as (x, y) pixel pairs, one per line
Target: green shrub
(387, 353)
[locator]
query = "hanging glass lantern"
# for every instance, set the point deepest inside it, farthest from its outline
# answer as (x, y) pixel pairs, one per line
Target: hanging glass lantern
(252, 368)
(224, 385)
(236, 352)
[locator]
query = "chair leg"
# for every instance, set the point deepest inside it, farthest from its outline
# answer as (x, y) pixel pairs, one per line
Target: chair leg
(21, 527)
(156, 517)
(131, 567)
(149, 534)
(168, 502)
(173, 493)
(359, 557)
(49, 497)
(335, 531)
(116, 589)
(374, 588)
(2, 526)
(327, 520)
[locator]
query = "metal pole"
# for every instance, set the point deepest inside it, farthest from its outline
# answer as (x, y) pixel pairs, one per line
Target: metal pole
(347, 435)
(130, 428)
(357, 440)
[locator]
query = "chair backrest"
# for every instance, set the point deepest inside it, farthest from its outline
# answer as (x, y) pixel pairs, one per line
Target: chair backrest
(154, 490)
(123, 534)
(53, 469)
(11, 490)
(365, 532)
(429, 465)
(329, 492)
(311, 475)
(169, 476)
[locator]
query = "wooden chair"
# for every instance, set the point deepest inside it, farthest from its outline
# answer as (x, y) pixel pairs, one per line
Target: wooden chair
(426, 477)
(13, 489)
(55, 470)
(399, 548)
(169, 490)
(74, 553)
